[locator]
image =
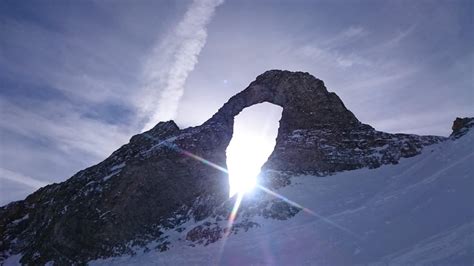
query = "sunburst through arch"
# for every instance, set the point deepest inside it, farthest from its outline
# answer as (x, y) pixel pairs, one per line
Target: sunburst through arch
(253, 141)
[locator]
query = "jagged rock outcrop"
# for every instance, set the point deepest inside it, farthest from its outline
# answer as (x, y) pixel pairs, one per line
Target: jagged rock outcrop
(461, 126)
(143, 188)
(317, 133)
(156, 182)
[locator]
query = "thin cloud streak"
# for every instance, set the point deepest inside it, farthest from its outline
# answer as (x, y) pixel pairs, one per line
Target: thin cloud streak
(22, 179)
(65, 127)
(183, 46)
(332, 51)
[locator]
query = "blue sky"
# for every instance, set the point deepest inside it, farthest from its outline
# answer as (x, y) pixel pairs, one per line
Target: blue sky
(79, 78)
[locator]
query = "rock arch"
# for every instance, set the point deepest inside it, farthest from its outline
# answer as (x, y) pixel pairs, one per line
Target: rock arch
(305, 101)
(253, 140)
(150, 184)
(307, 106)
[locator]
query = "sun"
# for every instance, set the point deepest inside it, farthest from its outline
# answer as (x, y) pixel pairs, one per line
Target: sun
(253, 140)
(245, 156)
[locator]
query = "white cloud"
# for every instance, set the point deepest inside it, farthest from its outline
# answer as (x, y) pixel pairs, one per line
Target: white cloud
(182, 46)
(64, 126)
(64, 62)
(345, 37)
(65, 138)
(22, 179)
(331, 56)
(331, 50)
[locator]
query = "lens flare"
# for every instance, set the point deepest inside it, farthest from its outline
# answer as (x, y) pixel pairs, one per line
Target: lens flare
(238, 201)
(252, 143)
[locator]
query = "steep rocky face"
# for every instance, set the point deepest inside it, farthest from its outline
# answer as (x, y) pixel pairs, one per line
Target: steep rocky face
(143, 188)
(305, 101)
(461, 126)
(162, 178)
(317, 133)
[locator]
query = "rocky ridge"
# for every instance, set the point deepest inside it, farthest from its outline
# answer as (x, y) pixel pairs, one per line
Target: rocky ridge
(155, 184)
(461, 126)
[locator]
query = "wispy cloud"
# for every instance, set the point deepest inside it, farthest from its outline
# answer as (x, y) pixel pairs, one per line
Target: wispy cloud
(331, 50)
(346, 37)
(183, 45)
(16, 186)
(331, 56)
(22, 179)
(64, 126)
(64, 98)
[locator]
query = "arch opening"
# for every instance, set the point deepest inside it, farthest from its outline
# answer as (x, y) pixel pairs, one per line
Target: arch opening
(253, 140)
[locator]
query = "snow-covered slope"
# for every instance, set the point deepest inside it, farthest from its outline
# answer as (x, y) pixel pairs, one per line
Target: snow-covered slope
(416, 212)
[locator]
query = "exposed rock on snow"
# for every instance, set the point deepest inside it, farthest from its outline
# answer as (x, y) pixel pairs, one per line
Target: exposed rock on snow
(317, 133)
(152, 185)
(461, 126)
(417, 212)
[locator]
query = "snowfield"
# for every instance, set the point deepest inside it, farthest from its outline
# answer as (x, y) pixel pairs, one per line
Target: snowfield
(416, 212)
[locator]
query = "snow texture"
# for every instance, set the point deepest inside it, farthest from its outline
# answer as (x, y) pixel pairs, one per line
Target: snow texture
(416, 212)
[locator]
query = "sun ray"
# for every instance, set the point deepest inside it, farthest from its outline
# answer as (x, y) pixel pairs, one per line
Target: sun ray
(238, 201)
(311, 212)
(230, 222)
(233, 213)
(187, 153)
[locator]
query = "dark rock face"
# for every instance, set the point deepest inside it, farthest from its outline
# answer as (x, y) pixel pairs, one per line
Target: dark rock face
(143, 188)
(461, 126)
(305, 101)
(317, 133)
(154, 184)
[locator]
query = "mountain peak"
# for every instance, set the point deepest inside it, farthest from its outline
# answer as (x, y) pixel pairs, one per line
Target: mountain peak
(158, 181)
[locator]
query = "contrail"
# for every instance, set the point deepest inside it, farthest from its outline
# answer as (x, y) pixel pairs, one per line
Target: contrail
(183, 46)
